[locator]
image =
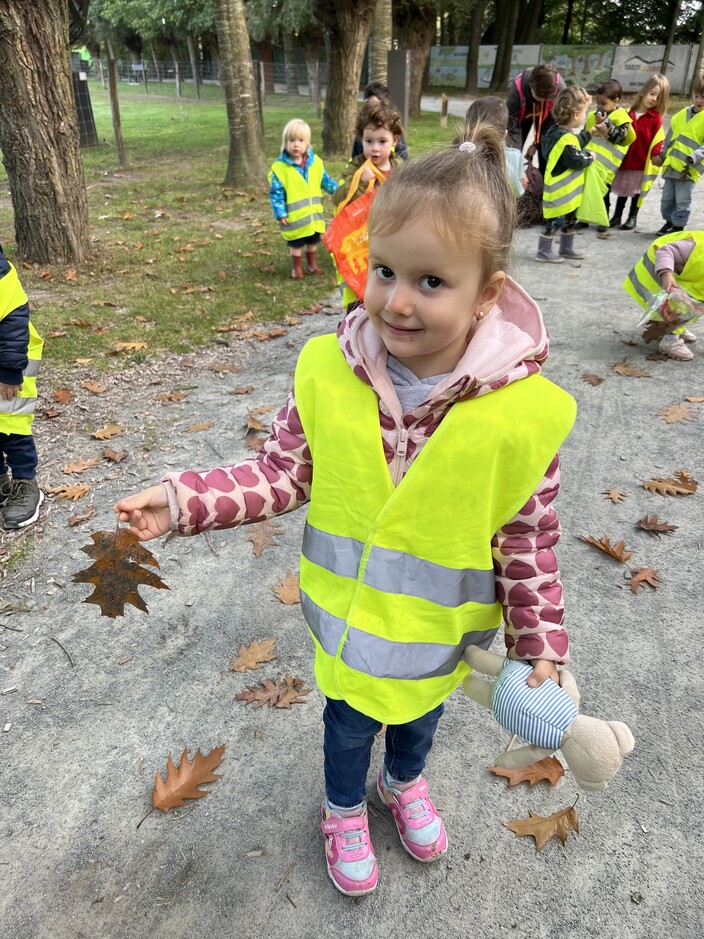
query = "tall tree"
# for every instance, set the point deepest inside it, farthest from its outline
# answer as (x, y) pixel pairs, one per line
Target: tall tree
(415, 26)
(506, 13)
(346, 27)
(475, 38)
(39, 135)
(380, 40)
(670, 35)
(247, 160)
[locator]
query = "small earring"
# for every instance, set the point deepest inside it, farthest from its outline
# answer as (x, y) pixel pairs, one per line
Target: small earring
(480, 315)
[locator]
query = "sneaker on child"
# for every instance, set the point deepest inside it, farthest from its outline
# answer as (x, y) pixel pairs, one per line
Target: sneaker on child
(674, 346)
(22, 505)
(420, 828)
(5, 488)
(348, 851)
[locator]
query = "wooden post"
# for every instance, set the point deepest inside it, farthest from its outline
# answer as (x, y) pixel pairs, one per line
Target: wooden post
(443, 110)
(115, 108)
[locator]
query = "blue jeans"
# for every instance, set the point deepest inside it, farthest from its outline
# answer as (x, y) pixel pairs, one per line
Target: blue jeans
(676, 201)
(19, 453)
(349, 736)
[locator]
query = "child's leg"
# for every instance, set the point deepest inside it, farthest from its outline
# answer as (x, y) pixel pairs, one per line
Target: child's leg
(667, 200)
(545, 254)
(296, 263)
(683, 203)
(403, 790)
(21, 455)
(311, 258)
(25, 498)
(632, 219)
(618, 211)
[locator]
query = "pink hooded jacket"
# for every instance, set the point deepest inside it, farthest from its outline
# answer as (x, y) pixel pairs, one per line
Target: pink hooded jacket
(509, 344)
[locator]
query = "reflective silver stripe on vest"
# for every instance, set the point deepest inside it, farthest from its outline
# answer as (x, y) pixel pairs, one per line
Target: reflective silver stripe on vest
(563, 181)
(642, 291)
(18, 405)
(399, 573)
(568, 197)
(302, 203)
(32, 369)
(302, 222)
(611, 159)
(382, 658)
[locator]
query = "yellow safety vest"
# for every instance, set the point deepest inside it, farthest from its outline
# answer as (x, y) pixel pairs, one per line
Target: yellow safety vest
(16, 415)
(563, 193)
(304, 200)
(642, 283)
(397, 582)
(609, 156)
(686, 136)
(650, 173)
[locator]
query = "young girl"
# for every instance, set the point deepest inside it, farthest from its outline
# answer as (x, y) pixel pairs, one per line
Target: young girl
(379, 128)
(566, 162)
(494, 111)
(295, 183)
(637, 172)
(425, 441)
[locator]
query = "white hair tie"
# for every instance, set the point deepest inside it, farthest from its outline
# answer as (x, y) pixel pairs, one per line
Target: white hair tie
(468, 146)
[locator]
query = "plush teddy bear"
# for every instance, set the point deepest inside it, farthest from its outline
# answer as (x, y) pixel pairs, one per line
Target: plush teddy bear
(547, 717)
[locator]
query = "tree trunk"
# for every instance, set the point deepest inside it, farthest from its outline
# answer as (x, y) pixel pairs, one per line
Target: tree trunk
(380, 41)
(528, 16)
(157, 68)
(311, 53)
(475, 39)
(416, 23)
(194, 64)
(507, 18)
(569, 13)
(290, 65)
(670, 37)
(177, 69)
(247, 161)
(39, 135)
(346, 27)
(115, 110)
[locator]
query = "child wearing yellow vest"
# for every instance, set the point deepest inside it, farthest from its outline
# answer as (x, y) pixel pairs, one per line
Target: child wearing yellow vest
(296, 181)
(674, 260)
(20, 355)
(425, 442)
(682, 161)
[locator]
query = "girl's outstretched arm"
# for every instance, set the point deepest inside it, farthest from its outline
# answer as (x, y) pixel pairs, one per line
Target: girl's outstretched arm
(147, 512)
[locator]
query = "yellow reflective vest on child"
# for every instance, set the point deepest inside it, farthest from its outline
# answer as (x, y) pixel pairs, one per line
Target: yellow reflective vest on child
(17, 414)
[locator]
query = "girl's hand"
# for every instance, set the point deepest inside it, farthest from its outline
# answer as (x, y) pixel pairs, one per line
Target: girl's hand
(8, 392)
(283, 221)
(542, 669)
(147, 514)
(668, 281)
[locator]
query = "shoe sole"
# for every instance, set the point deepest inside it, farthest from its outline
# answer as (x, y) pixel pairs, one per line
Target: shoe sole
(28, 521)
(423, 860)
(350, 893)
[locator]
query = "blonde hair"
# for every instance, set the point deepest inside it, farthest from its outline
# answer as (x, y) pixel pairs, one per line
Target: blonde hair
(569, 102)
(461, 192)
(295, 128)
(663, 86)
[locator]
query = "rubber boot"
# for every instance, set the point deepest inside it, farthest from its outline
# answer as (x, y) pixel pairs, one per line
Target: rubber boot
(545, 253)
(297, 268)
(615, 220)
(312, 259)
(567, 249)
(632, 219)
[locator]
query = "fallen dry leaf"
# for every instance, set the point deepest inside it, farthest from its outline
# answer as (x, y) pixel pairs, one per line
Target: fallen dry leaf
(559, 825)
(630, 371)
(182, 782)
(203, 425)
(94, 387)
(653, 526)
(592, 379)
(105, 433)
(117, 572)
(71, 275)
(63, 396)
(616, 551)
(287, 591)
(242, 390)
(172, 396)
(81, 465)
(655, 331)
(264, 536)
(252, 442)
(549, 769)
(643, 576)
(682, 484)
(115, 456)
(253, 424)
(128, 347)
(252, 656)
(71, 492)
(616, 495)
(696, 399)
(676, 413)
(277, 694)
(82, 516)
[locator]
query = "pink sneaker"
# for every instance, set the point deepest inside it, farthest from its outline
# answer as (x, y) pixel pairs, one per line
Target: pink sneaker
(688, 335)
(674, 347)
(348, 852)
(420, 828)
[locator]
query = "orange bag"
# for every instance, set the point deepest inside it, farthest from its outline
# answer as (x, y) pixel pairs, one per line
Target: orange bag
(346, 236)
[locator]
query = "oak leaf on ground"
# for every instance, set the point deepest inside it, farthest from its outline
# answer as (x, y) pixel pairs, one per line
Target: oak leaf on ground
(287, 590)
(281, 693)
(63, 395)
(251, 657)
(203, 425)
(75, 492)
(94, 387)
(630, 371)
(617, 551)
(263, 536)
(117, 571)
(115, 456)
(81, 465)
(172, 396)
(681, 484)
(616, 495)
(654, 526)
(695, 399)
(254, 442)
(242, 390)
(82, 516)
(182, 781)
(107, 432)
(127, 347)
(542, 828)
(677, 413)
(643, 576)
(549, 769)
(591, 379)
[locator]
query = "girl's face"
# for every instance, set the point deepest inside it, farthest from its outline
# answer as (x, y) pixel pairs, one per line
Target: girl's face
(651, 98)
(296, 147)
(423, 295)
(377, 143)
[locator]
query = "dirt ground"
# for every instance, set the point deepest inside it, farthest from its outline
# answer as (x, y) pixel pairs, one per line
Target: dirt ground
(90, 707)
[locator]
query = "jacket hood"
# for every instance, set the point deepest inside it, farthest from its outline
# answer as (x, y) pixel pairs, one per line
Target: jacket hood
(510, 343)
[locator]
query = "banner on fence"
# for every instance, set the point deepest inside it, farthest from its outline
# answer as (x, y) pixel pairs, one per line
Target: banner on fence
(521, 57)
(588, 66)
(448, 64)
(633, 66)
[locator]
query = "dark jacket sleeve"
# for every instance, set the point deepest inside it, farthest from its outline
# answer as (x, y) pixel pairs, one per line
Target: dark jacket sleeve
(14, 334)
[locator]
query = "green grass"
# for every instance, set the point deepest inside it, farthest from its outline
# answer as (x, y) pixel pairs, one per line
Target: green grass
(174, 254)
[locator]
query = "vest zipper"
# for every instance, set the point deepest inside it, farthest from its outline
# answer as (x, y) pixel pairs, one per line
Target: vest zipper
(400, 457)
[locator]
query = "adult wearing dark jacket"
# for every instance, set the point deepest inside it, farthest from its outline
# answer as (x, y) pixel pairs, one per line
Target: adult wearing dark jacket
(529, 101)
